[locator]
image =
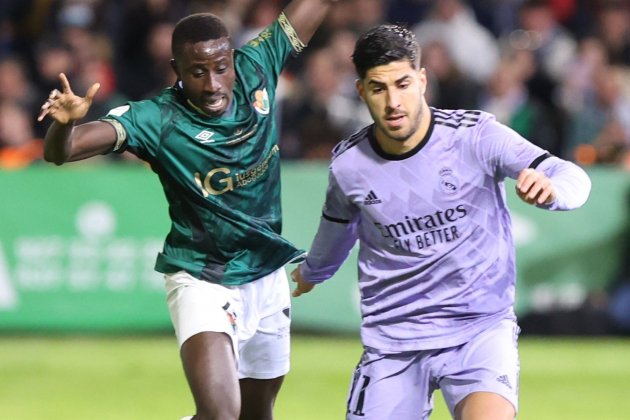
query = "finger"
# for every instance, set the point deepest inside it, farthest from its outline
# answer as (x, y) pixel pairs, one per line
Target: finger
(296, 293)
(42, 114)
(544, 196)
(526, 183)
(534, 191)
(92, 91)
(522, 176)
(54, 94)
(65, 85)
(44, 110)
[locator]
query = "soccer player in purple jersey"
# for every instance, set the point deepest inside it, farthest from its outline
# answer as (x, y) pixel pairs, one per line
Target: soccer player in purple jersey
(422, 190)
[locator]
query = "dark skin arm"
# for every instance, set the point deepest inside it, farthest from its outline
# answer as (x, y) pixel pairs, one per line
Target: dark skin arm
(306, 16)
(63, 141)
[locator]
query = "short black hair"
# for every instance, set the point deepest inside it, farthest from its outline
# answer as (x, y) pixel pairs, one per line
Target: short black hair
(195, 28)
(383, 44)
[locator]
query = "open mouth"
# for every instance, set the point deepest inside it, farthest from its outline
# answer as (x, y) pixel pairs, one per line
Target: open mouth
(214, 104)
(395, 120)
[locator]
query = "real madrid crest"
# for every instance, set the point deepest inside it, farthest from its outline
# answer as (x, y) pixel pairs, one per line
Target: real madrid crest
(448, 182)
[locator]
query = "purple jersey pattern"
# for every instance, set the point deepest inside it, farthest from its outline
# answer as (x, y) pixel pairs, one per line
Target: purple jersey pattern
(436, 261)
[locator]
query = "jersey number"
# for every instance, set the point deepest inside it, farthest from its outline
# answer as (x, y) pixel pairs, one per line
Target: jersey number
(359, 401)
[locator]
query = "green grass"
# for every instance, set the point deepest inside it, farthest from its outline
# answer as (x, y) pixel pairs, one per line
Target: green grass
(70, 378)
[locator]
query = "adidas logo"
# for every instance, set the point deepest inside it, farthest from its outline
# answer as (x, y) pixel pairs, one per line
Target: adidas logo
(504, 380)
(371, 198)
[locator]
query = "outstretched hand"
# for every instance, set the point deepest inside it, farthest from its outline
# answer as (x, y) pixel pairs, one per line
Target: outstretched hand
(533, 187)
(65, 107)
(302, 285)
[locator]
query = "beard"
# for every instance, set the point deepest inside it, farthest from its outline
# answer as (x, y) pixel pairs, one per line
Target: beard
(403, 134)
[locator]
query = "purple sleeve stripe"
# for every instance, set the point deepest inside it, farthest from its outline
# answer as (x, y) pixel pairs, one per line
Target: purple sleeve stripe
(539, 159)
(334, 220)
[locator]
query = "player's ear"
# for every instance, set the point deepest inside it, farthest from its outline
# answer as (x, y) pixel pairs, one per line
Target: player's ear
(174, 67)
(360, 88)
(423, 80)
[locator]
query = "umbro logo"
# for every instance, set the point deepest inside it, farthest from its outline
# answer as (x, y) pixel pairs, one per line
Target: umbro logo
(371, 198)
(204, 136)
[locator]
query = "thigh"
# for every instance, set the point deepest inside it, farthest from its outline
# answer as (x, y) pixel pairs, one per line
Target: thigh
(264, 331)
(484, 406)
(390, 387)
(204, 318)
(488, 364)
(210, 368)
(197, 306)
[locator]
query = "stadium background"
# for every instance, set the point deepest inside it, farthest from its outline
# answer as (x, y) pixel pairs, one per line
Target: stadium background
(83, 326)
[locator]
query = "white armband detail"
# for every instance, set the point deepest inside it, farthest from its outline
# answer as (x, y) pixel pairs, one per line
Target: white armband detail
(121, 133)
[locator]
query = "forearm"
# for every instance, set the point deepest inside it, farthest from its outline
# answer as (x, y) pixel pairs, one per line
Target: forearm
(58, 142)
(331, 246)
(67, 143)
(571, 184)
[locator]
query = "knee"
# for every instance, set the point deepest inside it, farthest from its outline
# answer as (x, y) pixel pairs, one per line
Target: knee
(485, 406)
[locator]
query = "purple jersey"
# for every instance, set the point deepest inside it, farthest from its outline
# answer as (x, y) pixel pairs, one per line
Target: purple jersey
(436, 257)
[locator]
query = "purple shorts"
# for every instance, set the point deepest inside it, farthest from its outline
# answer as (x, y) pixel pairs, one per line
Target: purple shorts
(400, 386)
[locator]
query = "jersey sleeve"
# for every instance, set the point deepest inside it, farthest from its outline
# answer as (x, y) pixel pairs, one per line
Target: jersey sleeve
(505, 153)
(571, 183)
(138, 127)
(273, 46)
(335, 237)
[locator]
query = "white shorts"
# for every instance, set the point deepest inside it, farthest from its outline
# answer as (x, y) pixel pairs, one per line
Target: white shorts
(255, 315)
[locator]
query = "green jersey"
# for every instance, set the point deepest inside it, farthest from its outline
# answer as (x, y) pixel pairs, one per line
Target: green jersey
(221, 175)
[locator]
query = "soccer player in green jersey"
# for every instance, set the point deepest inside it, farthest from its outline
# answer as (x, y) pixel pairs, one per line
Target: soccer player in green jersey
(213, 142)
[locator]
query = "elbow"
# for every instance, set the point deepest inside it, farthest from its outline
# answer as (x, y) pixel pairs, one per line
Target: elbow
(54, 158)
(587, 185)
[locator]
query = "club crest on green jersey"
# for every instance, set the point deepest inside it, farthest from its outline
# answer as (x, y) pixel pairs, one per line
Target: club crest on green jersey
(261, 101)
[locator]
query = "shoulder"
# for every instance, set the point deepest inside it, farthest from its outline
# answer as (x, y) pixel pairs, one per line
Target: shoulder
(348, 144)
(460, 118)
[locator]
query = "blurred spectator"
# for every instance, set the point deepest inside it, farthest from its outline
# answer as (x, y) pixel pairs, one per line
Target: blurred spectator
(15, 84)
(509, 100)
(448, 87)
(18, 146)
(408, 12)
(317, 115)
(553, 46)
(261, 14)
(125, 46)
(600, 129)
(613, 28)
(499, 16)
(369, 13)
(133, 61)
(472, 47)
(52, 57)
(578, 82)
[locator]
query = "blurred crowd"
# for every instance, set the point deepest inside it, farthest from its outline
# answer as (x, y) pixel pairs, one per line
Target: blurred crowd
(556, 71)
